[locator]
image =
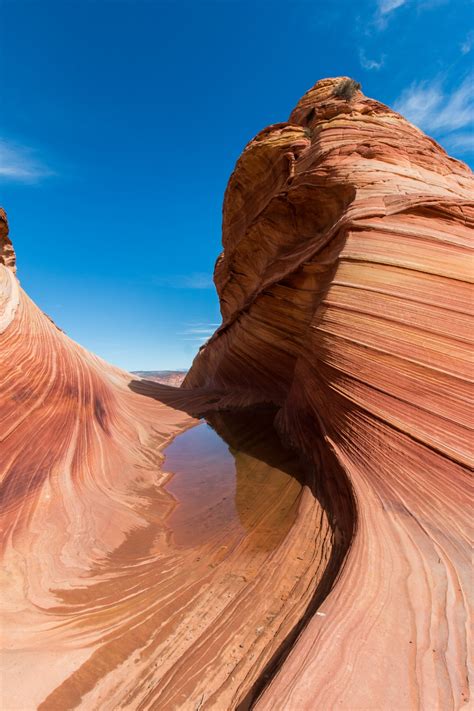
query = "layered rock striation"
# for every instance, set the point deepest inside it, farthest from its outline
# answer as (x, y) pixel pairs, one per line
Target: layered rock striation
(344, 289)
(117, 592)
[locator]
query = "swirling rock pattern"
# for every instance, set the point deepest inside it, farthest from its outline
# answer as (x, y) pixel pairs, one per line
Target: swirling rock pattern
(344, 289)
(344, 292)
(109, 600)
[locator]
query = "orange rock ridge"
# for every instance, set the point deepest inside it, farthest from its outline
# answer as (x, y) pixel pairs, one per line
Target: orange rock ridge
(344, 293)
(344, 288)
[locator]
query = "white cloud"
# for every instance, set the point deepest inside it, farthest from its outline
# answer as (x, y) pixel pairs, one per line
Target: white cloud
(201, 339)
(18, 163)
(196, 280)
(448, 115)
(383, 11)
(459, 142)
(435, 109)
(387, 6)
(468, 43)
(197, 332)
(200, 325)
(370, 64)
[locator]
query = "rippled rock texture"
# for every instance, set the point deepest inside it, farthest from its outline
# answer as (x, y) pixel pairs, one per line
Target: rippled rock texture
(344, 293)
(121, 588)
(344, 289)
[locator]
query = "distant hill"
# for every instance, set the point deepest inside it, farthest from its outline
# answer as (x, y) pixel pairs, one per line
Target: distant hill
(167, 377)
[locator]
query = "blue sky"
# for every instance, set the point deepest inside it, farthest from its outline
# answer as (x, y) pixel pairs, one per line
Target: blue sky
(122, 120)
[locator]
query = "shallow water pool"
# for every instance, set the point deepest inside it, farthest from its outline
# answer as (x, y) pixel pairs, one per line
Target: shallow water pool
(232, 478)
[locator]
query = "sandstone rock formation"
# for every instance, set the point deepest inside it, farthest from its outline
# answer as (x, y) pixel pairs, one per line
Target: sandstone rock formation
(344, 289)
(344, 293)
(7, 253)
(106, 602)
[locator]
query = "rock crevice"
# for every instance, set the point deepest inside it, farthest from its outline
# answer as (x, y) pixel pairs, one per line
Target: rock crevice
(344, 294)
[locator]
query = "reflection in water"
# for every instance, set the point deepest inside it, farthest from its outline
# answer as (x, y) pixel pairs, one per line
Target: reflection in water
(198, 599)
(203, 484)
(233, 479)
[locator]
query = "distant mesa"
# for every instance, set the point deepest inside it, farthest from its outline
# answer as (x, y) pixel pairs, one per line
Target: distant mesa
(167, 377)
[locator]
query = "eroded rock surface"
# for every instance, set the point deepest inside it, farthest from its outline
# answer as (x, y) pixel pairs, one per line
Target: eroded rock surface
(344, 292)
(119, 591)
(344, 289)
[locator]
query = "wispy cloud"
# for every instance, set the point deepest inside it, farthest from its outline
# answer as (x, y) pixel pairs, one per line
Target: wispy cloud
(201, 325)
(468, 43)
(196, 339)
(20, 163)
(446, 114)
(385, 9)
(197, 332)
(196, 280)
(435, 109)
(459, 142)
(370, 64)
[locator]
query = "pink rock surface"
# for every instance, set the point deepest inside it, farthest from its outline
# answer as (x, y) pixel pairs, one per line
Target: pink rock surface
(119, 592)
(344, 287)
